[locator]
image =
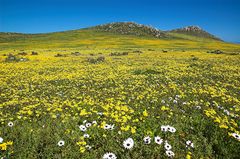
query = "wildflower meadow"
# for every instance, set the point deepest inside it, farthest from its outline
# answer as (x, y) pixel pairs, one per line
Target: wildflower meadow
(142, 105)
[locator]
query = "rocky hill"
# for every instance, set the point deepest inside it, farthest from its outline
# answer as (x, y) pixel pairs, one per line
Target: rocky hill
(131, 28)
(195, 31)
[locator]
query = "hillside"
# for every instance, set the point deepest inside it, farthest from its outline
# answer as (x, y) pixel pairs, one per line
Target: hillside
(115, 35)
(195, 31)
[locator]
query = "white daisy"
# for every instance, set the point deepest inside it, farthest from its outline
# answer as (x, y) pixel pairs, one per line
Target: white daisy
(147, 140)
(82, 128)
(164, 128)
(109, 155)
(128, 143)
(221, 107)
(170, 153)
(86, 136)
(175, 101)
(88, 147)
(1, 139)
(61, 143)
(112, 127)
(168, 127)
(167, 146)
(192, 145)
(236, 136)
(100, 113)
(10, 124)
(189, 144)
(226, 111)
(172, 129)
(182, 110)
(158, 140)
(198, 107)
(107, 126)
(88, 125)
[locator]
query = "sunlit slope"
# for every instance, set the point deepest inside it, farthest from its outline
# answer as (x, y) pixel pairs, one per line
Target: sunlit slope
(91, 38)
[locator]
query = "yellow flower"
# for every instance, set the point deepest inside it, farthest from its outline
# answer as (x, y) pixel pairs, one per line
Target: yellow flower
(217, 120)
(3, 146)
(81, 142)
(9, 143)
(136, 120)
(145, 113)
(133, 130)
(54, 116)
(163, 108)
(102, 124)
(83, 112)
(30, 112)
(188, 156)
(126, 128)
(82, 149)
(223, 126)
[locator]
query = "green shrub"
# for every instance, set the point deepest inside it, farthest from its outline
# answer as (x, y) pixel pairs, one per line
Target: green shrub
(95, 60)
(14, 58)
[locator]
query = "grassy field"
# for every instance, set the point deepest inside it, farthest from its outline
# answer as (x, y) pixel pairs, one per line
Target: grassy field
(92, 39)
(87, 104)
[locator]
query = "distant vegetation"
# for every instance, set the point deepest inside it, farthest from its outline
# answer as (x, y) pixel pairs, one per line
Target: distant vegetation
(95, 60)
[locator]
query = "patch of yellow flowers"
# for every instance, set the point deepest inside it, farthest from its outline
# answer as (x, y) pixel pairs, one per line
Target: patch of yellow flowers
(3, 146)
(127, 91)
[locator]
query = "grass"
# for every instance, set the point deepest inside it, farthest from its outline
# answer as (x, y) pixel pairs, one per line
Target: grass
(47, 98)
(93, 39)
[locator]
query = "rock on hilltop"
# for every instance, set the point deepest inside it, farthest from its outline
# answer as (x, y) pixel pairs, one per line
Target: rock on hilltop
(131, 28)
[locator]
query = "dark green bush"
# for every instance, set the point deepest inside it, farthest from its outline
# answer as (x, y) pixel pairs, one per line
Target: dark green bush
(14, 58)
(95, 60)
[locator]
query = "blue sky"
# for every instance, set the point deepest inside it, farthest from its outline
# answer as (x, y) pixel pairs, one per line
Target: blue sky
(219, 17)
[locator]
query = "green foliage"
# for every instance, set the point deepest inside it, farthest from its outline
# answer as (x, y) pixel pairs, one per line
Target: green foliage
(60, 55)
(14, 58)
(95, 60)
(118, 53)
